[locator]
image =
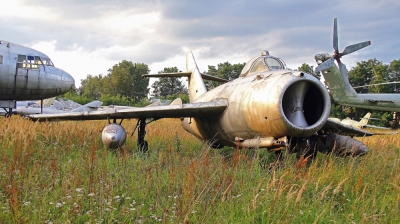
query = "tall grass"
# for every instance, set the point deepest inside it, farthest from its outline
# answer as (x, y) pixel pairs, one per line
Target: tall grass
(61, 172)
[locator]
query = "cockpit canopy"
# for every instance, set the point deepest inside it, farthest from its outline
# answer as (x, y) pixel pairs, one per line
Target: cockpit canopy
(265, 62)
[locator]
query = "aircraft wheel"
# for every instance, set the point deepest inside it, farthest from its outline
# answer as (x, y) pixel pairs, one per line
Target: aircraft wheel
(8, 115)
(144, 147)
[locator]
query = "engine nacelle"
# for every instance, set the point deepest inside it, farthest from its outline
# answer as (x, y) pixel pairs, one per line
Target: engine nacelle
(113, 136)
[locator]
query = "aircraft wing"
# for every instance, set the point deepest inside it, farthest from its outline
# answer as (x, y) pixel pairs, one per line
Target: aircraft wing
(344, 129)
(175, 110)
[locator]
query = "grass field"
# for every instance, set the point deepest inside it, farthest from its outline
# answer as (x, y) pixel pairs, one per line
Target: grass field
(61, 173)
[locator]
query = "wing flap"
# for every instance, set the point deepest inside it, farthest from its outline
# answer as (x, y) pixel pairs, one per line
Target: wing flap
(198, 110)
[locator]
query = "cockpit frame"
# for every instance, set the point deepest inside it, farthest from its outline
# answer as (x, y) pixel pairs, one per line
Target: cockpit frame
(263, 63)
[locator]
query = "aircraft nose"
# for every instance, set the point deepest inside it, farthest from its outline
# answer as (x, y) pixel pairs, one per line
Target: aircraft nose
(68, 80)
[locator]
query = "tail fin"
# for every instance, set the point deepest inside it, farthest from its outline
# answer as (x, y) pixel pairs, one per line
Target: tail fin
(195, 78)
(196, 84)
(365, 119)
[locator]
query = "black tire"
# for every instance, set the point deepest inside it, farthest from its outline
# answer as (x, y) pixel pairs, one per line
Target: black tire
(144, 147)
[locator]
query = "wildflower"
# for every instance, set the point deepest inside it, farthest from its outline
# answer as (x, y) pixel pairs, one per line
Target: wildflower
(58, 205)
(91, 194)
(79, 189)
(26, 203)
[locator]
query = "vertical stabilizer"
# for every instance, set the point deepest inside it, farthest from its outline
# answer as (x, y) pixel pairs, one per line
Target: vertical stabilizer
(196, 83)
(365, 119)
(338, 83)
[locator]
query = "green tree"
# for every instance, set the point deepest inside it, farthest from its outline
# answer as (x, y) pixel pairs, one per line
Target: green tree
(168, 86)
(363, 74)
(223, 70)
(91, 87)
(309, 69)
(125, 79)
(394, 74)
(74, 95)
(380, 74)
(108, 99)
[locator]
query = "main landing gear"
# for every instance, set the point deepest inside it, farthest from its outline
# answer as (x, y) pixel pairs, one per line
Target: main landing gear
(142, 144)
(8, 112)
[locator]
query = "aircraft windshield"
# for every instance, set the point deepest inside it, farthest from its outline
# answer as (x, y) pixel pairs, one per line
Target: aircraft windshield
(247, 67)
(273, 63)
(263, 63)
(47, 62)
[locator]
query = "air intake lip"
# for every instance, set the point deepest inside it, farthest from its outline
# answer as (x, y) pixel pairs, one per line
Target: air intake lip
(304, 104)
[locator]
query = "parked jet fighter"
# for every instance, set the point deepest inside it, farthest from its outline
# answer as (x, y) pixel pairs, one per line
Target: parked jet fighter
(358, 124)
(363, 123)
(337, 80)
(268, 106)
(28, 74)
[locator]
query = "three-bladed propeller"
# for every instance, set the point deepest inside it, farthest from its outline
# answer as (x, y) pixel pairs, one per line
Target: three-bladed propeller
(336, 54)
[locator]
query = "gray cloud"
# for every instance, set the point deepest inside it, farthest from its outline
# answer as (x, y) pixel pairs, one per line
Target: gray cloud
(293, 30)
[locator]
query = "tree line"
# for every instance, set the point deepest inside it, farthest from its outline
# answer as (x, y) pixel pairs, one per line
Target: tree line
(124, 85)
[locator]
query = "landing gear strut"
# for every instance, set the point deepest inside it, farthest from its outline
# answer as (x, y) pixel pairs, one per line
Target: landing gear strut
(142, 144)
(141, 126)
(8, 112)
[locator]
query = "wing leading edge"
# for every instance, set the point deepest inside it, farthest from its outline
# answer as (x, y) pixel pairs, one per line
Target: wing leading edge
(198, 110)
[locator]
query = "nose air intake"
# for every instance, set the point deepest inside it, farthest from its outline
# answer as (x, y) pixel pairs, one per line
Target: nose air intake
(303, 104)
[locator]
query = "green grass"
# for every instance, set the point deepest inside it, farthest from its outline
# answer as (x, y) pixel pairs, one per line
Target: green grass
(61, 172)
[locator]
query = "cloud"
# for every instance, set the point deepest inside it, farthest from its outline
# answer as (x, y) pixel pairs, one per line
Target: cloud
(156, 32)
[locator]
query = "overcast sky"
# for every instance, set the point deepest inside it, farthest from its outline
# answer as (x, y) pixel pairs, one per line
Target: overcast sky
(89, 36)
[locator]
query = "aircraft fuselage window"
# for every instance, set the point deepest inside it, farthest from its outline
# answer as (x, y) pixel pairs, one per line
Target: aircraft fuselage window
(1, 59)
(21, 63)
(33, 62)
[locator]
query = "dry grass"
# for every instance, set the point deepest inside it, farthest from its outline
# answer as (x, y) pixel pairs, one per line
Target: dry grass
(61, 172)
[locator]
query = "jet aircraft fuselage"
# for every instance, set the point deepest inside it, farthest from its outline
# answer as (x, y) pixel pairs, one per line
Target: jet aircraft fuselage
(281, 102)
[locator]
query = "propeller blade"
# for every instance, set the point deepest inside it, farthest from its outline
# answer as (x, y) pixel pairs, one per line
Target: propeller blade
(325, 65)
(355, 47)
(335, 35)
